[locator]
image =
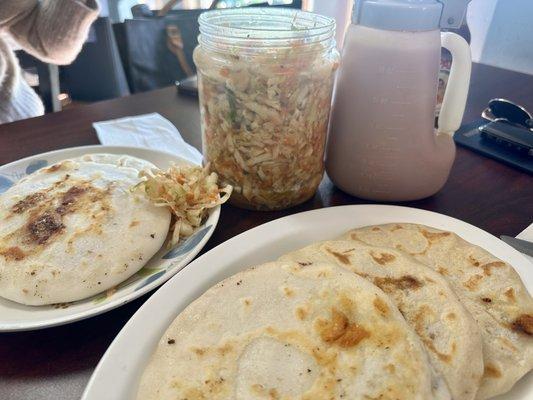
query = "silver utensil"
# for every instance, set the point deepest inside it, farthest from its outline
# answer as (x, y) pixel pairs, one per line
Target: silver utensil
(522, 246)
(503, 109)
(510, 125)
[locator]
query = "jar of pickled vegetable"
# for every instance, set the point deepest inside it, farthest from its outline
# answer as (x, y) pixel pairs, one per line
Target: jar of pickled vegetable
(265, 84)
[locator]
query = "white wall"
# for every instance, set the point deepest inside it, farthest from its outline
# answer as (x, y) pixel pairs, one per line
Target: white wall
(104, 8)
(479, 17)
(502, 33)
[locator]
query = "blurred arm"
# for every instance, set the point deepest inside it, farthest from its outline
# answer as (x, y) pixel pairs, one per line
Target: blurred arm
(51, 30)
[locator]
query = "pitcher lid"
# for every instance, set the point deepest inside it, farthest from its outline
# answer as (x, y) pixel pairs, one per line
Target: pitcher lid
(410, 15)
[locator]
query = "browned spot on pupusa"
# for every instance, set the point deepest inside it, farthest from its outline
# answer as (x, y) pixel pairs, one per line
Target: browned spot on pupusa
(44, 226)
(323, 273)
(45, 211)
(54, 168)
(451, 316)
(301, 313)
(434, 236)
(288, 291)
(70, 197)
(402, 248)
(199, 351)
(13, 253)
(381, 306)
(382, 258)
(487, 268)
(472, 282)
(443, 271)
(28, 202)
(428, 340)
(304, 263)
(491, 371)
(225, 349)
(390, 284)
(507, 343)
(40, 199)
(509, 293)
(134, 223)
(473, 261)
(194, 394)
(346, 304)
(340, 331)
(375, 229)
(343, 258)
(523, 324)
(210, 388)
(257, 388)
(260, 390)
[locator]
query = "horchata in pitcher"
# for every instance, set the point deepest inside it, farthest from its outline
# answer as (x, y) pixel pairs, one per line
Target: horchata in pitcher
(382, 142)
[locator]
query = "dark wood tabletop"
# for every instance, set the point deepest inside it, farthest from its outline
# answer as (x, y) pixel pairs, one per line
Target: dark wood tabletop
(56, 363)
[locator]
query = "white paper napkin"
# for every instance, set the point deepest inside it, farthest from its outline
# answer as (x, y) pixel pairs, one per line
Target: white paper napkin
(149, 130)
(527, 234)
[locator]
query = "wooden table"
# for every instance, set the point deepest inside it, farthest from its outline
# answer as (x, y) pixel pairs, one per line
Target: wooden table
(56, 363)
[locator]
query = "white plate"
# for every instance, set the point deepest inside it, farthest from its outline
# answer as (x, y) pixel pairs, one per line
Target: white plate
(163, 265)
(117, 375)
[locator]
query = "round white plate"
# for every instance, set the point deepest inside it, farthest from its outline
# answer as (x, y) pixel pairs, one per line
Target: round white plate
(117, 374)
(163, 265)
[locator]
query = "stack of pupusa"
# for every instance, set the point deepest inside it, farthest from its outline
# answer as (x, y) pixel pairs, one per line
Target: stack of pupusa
(389, 312)
(489, 289)
(470, 309)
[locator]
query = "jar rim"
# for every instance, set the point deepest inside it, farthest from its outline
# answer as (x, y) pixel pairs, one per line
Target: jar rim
(266, 27)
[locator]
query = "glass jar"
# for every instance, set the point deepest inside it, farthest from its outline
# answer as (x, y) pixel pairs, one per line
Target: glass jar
(265, 80)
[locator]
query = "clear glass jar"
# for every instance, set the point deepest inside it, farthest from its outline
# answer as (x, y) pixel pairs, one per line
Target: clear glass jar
(265, 83)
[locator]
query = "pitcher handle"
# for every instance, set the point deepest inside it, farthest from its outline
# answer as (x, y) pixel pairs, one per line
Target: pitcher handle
(454, 102)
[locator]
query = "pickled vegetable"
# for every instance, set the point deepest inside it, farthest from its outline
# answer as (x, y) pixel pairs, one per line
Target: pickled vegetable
(188, 191)
(264, 121)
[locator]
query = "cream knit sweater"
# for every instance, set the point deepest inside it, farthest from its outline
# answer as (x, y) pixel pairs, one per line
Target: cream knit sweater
(51, 30)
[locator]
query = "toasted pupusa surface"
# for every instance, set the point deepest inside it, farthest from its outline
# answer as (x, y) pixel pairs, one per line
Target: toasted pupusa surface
(489, 288)
(286, 331)
(446, 329)
(75, 229)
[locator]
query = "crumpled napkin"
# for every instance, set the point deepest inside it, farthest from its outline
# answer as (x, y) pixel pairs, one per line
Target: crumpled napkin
(150, 131)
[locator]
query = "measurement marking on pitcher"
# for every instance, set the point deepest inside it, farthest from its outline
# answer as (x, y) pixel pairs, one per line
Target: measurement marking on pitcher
(403, 102)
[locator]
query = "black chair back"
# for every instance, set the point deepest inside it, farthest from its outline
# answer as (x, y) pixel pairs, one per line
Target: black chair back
(97, 73)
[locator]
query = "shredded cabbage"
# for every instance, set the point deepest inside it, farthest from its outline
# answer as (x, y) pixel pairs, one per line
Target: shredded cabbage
(188, 191)
(264, 121)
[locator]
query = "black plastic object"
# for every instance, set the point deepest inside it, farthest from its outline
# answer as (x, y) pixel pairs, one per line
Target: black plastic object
(513, 136)
(470, 136)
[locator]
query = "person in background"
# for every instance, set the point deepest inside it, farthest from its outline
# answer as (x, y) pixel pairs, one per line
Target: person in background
(51, 30)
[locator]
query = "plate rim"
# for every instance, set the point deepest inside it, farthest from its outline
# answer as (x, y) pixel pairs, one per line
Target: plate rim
(91, 147)
(101, 308)
(152, 302)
